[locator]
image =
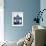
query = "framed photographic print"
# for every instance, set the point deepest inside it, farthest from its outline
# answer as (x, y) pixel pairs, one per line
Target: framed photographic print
(17, 18)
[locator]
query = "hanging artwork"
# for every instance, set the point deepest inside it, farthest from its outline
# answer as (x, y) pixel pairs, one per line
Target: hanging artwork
(17, 18)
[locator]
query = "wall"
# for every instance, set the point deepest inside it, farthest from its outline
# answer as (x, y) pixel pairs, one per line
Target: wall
(43, 6)
(29, 7)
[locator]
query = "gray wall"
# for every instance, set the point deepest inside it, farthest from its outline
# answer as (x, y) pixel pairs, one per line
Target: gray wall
(29, 7)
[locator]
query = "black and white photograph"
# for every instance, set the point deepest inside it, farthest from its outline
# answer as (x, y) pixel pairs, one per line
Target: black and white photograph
(17, 18)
